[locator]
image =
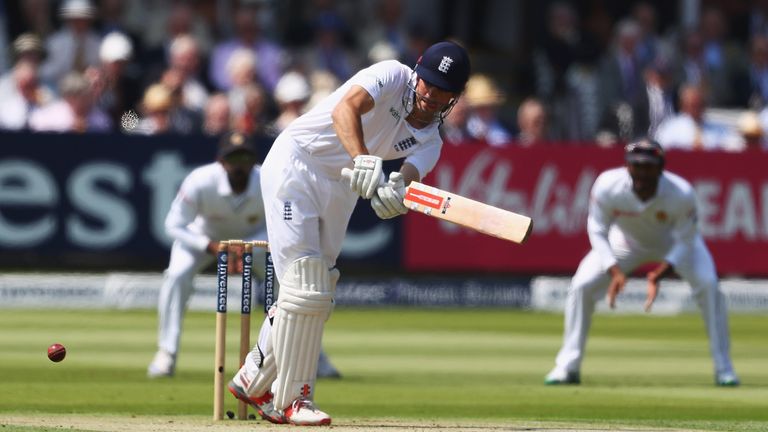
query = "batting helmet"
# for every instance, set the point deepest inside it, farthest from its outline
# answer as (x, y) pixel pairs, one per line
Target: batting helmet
(645, 150)
(444, 65)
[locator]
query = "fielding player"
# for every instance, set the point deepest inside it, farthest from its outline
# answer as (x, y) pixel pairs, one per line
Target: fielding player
(218, 201)
(386, 111)
(640, 214)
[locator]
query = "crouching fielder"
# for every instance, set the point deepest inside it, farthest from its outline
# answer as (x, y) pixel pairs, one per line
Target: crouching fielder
(640, 214)
(386, 111)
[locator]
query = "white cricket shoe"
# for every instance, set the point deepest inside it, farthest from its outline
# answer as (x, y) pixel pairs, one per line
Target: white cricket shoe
(303, 412)
(560, 376)
(163, 365)
(262, 404)
(727, 379)
(325, 369)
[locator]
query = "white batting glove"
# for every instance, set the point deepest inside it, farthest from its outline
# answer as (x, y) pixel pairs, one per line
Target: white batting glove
(388, 201)
(367, 175)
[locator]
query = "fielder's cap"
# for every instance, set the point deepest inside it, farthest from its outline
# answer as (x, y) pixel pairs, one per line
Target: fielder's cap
(235, 141)
(445, 65)
(644, 151)
(74, 9)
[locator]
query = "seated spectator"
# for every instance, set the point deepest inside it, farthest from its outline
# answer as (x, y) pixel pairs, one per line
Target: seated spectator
(323, 83)
(248, 36)
(156, 109)
(691, 130)
(185, 62)
(184, 120)
(75, 46)
(218, 116)
(484, 100)
(291, 94)
(327, 50)
(76, 111)
(454, 127)
(116, 82)
(20, 89)
(250, 115)
(532, 122)
(752, 132)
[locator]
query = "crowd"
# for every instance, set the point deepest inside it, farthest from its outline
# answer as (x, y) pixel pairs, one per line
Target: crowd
(188, 67)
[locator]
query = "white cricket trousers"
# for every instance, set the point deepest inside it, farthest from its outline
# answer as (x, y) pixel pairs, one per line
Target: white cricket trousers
(590, 285)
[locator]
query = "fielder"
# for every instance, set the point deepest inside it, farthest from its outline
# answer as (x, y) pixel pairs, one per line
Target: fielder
(640, 214)
(386, 111)
(218, 201)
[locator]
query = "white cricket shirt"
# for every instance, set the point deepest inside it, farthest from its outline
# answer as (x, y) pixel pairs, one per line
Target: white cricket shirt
(205, 209)
(385, 130)
(618, 219)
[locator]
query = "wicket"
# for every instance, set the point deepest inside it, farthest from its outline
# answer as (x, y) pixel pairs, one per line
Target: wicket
(222, 273)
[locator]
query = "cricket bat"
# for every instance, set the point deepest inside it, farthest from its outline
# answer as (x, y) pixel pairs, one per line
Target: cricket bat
(466, 212)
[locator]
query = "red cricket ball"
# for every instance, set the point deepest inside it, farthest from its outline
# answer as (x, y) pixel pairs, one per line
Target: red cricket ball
(57, 352)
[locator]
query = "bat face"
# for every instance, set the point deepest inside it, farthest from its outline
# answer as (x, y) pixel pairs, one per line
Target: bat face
(469, 213)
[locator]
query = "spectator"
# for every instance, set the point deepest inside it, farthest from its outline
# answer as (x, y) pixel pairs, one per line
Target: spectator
(247, 98)
(484, 99)
(156, 107)
(386, 27)
(454, 128)
(184, 120)
(532, 122)
(291, 94)
(20, 88)
(185, 61)
(75, 46)
(756, 95)
(649, 44)
(691, 130)
(562, 67)
(323, 83)
(660, 93)
(623, 100)
(250, 116)
(721, 57)
(76, 111)
(248, 35)
(327, 50)
(116, 82)
(218, 116)
(752, 132)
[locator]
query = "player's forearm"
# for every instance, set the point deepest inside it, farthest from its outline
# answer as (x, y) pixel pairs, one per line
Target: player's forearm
(347, 120)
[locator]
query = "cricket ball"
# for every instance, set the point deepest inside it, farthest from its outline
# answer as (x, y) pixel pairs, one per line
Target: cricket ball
(57, 352)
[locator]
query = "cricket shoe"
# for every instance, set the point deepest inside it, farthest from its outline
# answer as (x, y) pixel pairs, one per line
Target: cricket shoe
(727, 379)
(262, 404)
(303, 412)
(560, 377)
(163, 365)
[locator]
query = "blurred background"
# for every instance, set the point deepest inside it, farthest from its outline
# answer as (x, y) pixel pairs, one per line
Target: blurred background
(106, 105)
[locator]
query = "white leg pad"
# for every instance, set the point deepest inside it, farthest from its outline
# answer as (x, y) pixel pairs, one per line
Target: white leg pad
(259, 371)
(304, 303)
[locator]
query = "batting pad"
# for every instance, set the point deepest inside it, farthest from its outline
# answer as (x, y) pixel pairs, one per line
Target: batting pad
(260, 368)
(304, 303)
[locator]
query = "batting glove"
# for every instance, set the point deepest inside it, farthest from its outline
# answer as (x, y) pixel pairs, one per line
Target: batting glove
(388, 201)
(367, 175)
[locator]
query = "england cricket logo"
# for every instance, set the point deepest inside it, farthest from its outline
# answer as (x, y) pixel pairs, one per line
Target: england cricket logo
(445, 64)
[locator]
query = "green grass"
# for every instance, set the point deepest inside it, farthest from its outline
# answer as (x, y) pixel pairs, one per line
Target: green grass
(475, 365)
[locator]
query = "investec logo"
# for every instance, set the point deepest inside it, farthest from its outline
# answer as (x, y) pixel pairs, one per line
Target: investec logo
(221, 301)
(245, 307)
